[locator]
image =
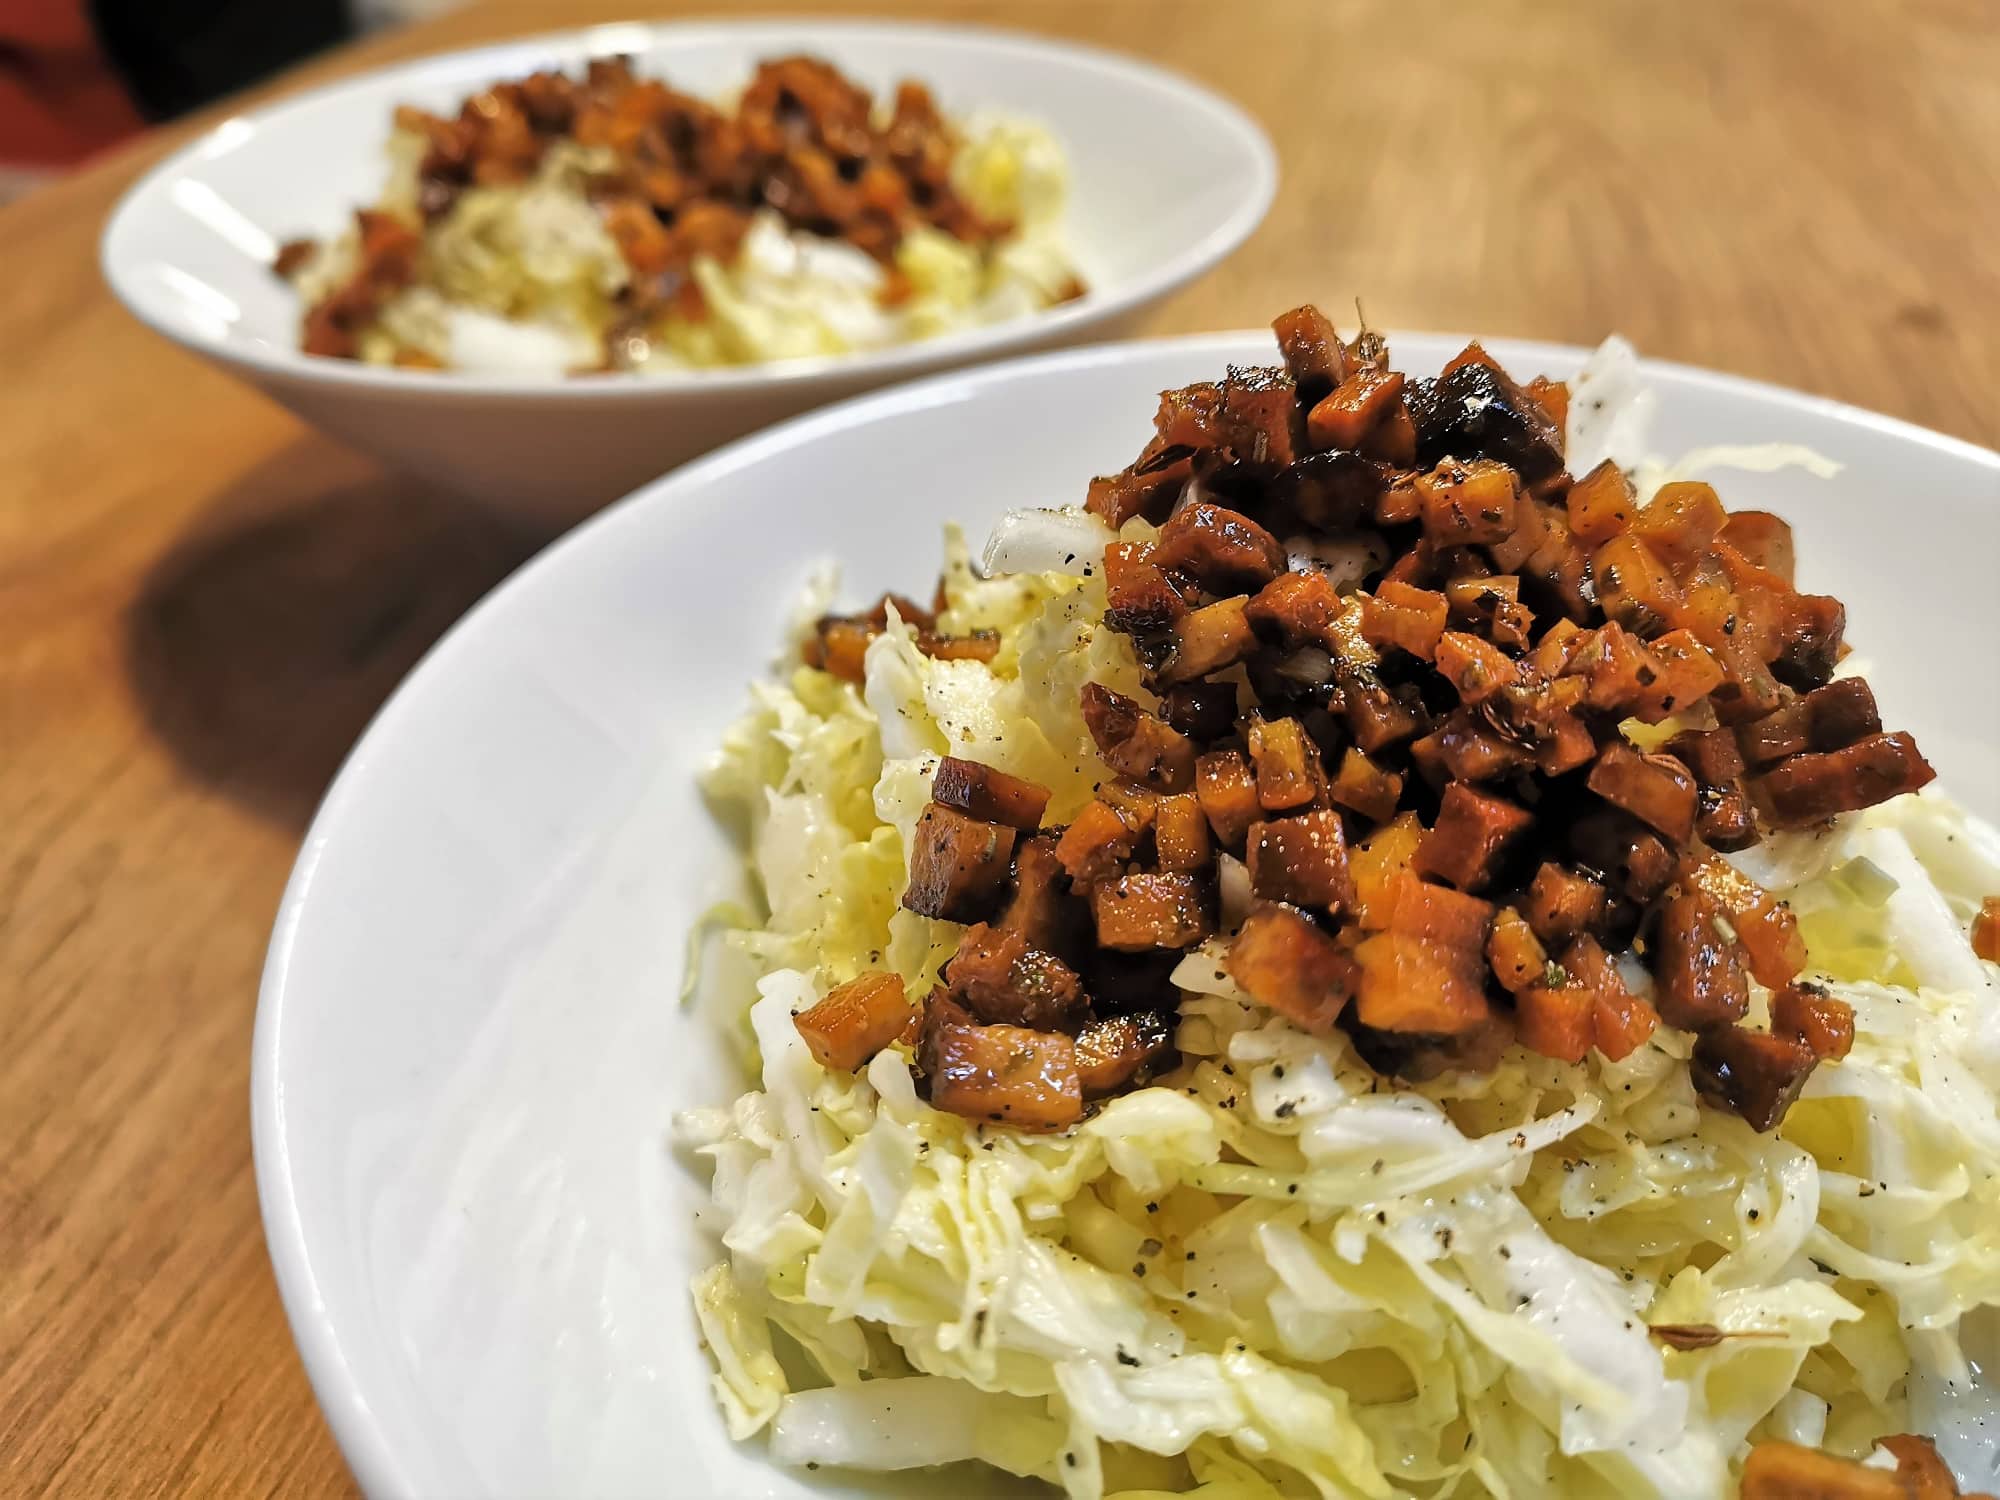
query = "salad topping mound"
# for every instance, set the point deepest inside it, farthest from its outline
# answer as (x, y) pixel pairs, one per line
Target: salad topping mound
(1456, 760)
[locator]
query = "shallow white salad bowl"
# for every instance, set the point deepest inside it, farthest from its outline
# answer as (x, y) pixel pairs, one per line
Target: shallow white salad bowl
(1166, 179)
(469, 1046)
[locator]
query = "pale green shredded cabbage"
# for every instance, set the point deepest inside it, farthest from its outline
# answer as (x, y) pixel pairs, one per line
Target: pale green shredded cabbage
(1274, 1274)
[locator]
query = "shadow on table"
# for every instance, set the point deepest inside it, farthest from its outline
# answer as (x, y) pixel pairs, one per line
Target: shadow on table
(263, 642)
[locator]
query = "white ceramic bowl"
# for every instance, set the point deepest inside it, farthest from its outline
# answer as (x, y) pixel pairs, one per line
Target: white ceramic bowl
(1167, 179)
(468, 1046)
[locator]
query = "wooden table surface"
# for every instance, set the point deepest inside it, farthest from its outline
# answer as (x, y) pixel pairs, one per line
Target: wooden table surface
(201, 601)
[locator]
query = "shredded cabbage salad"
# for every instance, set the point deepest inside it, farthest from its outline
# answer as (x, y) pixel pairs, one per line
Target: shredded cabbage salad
(1273, 1273)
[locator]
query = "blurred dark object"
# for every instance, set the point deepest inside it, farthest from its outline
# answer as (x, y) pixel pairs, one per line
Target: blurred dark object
(77, 76)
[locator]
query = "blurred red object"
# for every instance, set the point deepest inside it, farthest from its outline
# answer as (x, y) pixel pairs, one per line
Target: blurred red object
(60, 98)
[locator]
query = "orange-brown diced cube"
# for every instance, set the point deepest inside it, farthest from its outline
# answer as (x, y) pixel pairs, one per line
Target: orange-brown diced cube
(1753, 1073)
(1135, 742)
(1697, 972)
(1986, 930)
(1613, 666)
(1680, 522)
(1555, 1021)
(958, 865)
(1656, 789)
(1570, 744)
(1398, 503)
(1553, 397)
(840, 646)
(1289, 770)
(1425, 972)
(1221, 549)
(1139, 599)
(1408, 619)
(1553, 651)
(1312, 351)
(1467, 504)
(1466, 747)
(1180, 832)
(1297, 609)
(1764, 925)
(1923, 1474)
(1601, 504)
(999, 978)
(991, 796)
(1116, 1050)
(1208, 639)
(1364, 787)
(1562, 903)
(1685, 673)
(1350, 412)
(1828, 718)
(1473, 831)
(1040, 910)
(1226, 787)
(1376, 863)
(1492, 607)
(979, 645)
(855, 1021)
(1806, 1013)
(1812, 788)
(1475, 669)
(1098, 840)
(1620, 1020)
(1785, 1471)
(1007, 1075)
(1764, 539)
(1302, 860)
(1393, 440)
(1515, 953)
(1282, 960)
(1138, 912)
(1634, 586)
(1148, 488)
(1378, 718)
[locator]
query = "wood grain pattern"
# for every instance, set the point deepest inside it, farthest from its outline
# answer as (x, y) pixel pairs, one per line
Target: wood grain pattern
(201, 602)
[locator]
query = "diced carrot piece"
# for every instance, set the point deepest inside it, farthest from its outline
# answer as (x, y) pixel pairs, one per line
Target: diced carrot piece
(1285, 962)
(1471, 837)
(1986, 930)
(1408, 619)
(1680, 522)
(1302, 860)
(1810, 788)
(855, 1020)
(1516, 955)
(1558, 644)
(1347, 415)
(1227, 790)
(1425, 971)
(1601, 504)
(958, 864)
(1139, 598)
(1620, 1020)
(1753, 1073)
(1698, 973)
(1376, 862)
(1785, 1471)
(1562, 903)
(1614, 667)
(1098, 840)
(991, 796)
(1475, 669)
(1224, 551)
(1765, 925)
(1180, 832)
(1008, 1075)
(1208, 639)
(1297, 609)
(1365, 787)
(1685, 673)
(1634, 587)
(1656, 789)
(1140, 911)
(1555, 1022)
(1115, 1051)
(1135, 742)
(839, 646)
(1806, 1013)
(1466, 504)
(1765, 539)
(1289, 770)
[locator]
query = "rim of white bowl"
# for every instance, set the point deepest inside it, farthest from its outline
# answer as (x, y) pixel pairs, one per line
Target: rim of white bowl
(896, 361)
(362, 1441)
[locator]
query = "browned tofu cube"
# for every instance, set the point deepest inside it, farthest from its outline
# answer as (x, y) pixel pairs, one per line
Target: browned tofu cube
(958, 865)
(1302, 860)
(1285, 962)
(1141, 911)
(1002, 1075)
(991, 796)
(855, 1021)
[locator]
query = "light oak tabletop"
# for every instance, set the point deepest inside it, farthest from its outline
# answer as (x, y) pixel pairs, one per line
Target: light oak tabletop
(202, 602)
